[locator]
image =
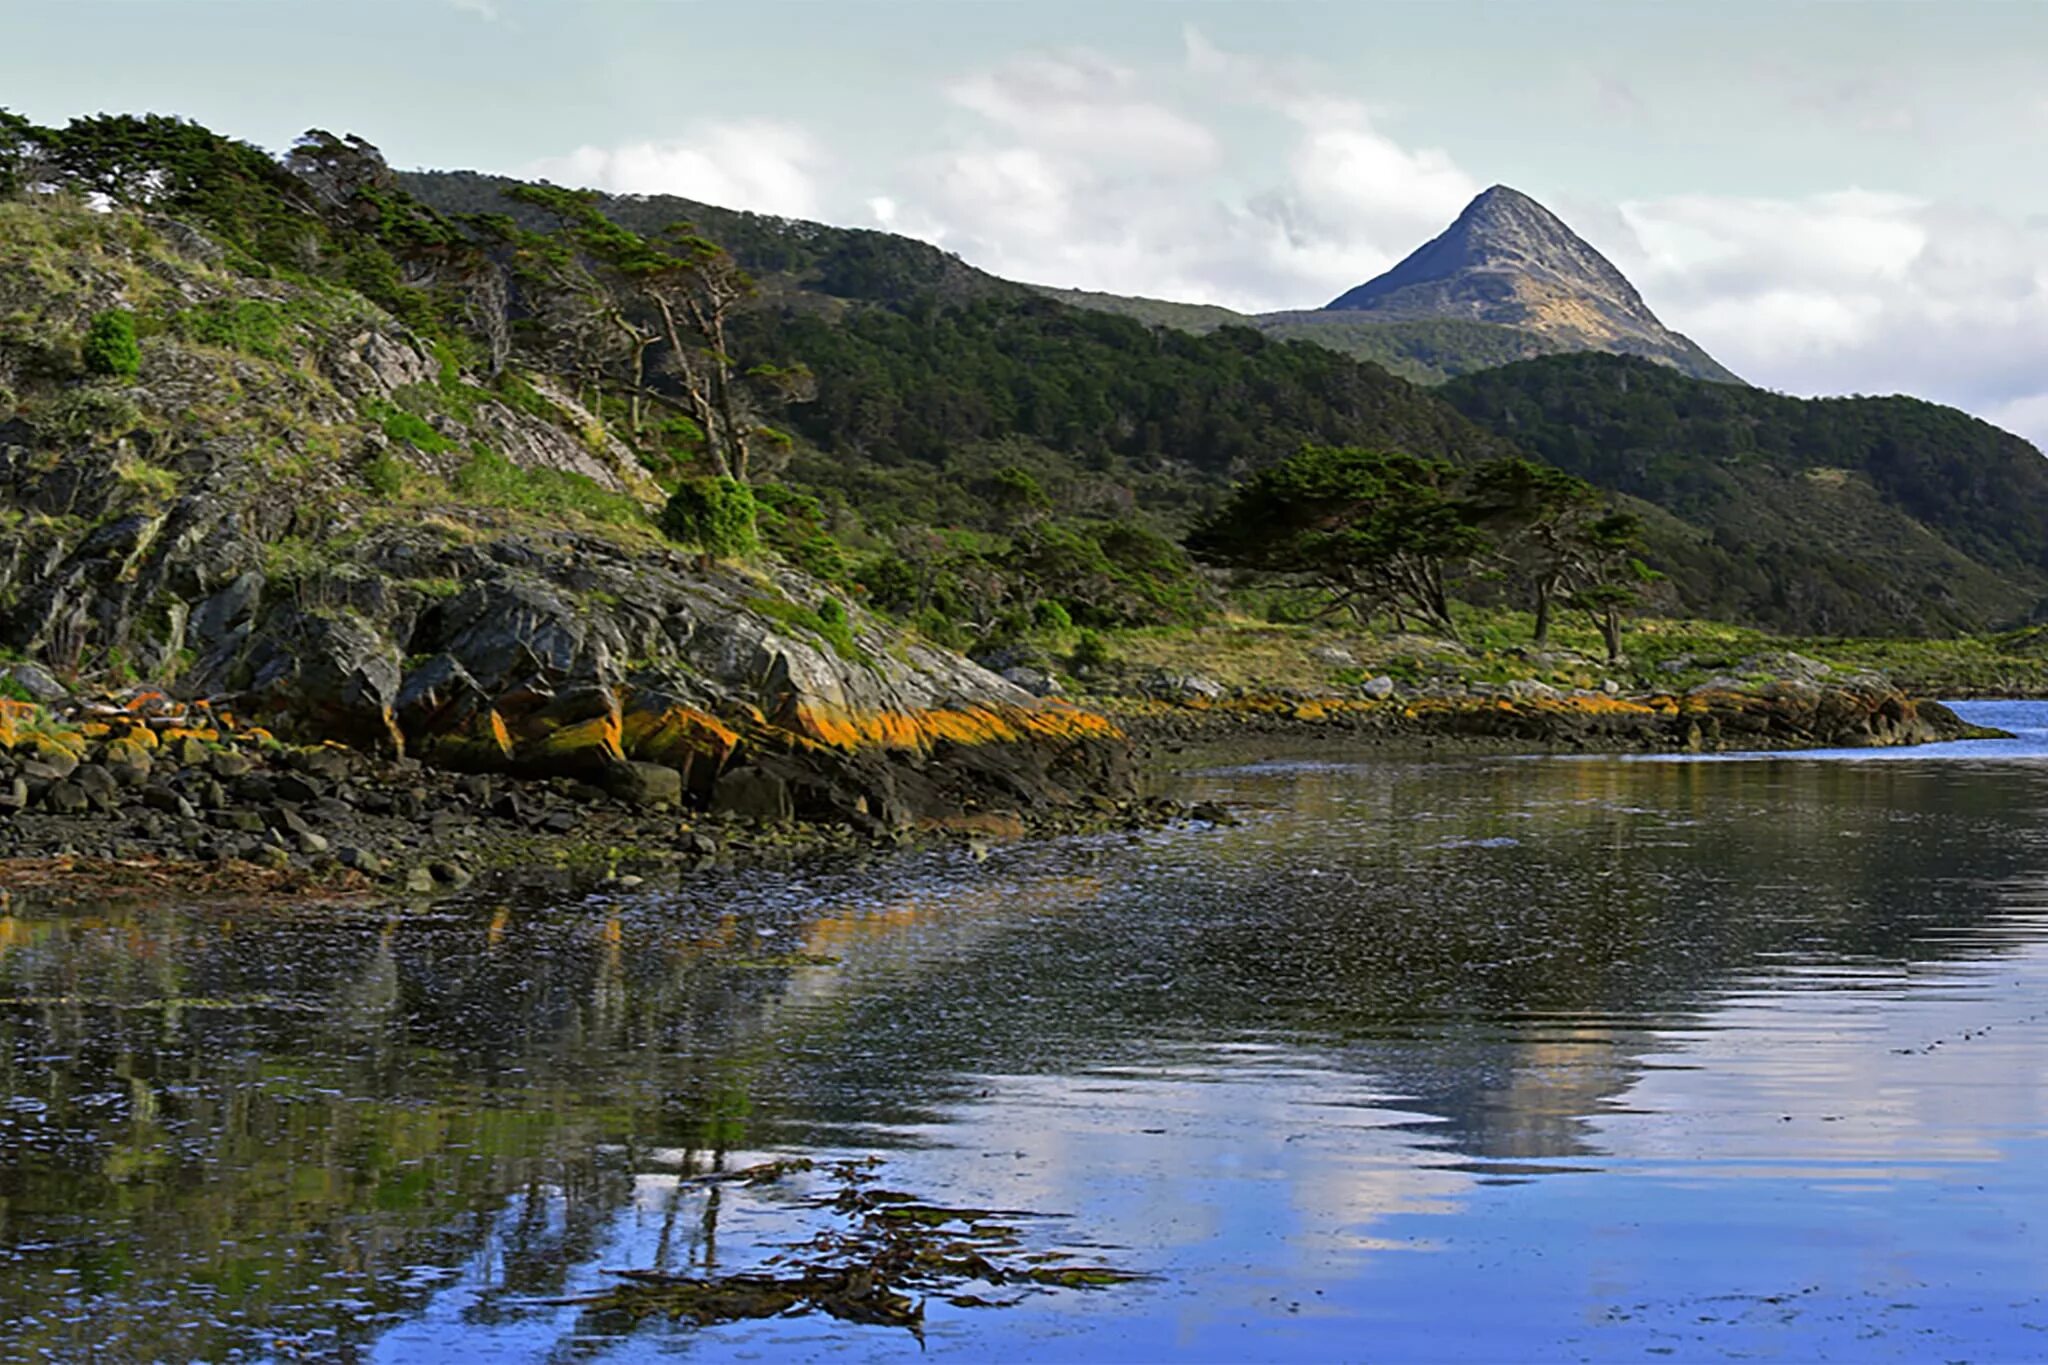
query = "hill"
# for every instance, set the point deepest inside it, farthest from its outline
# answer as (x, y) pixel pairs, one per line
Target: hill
(1837, 515)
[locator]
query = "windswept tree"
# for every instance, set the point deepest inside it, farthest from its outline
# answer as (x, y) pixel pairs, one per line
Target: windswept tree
(1540, 519)
(1376, 530)
(676, 292)
(1611, 576)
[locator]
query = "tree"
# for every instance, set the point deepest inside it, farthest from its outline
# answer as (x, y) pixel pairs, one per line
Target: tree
(1540, 517)
(678, 290)
(1611, 576)
(1374, 529)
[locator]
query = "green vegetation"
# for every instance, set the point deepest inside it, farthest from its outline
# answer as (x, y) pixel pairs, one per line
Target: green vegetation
(256, 327)
(1840, 515)
(717, 515)
(828, 622)
(110, 349)
(490, 478)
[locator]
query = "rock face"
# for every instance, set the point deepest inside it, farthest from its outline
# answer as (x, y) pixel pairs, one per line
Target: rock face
(1509, 261)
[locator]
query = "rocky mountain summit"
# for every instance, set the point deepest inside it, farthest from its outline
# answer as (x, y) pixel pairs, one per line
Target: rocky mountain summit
(1511, 262)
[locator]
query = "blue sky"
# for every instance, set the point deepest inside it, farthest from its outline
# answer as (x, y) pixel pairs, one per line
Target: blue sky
(1832, 197)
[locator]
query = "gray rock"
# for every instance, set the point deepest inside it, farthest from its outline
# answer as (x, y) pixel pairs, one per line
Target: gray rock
(66, 797)
(1335, 656)
(13, 795)
(1377, 689)
(36, 681)
(753, 794)
(644, 784)
(1185, 687)
(99, 786)
(1032, 680)
(164, 799)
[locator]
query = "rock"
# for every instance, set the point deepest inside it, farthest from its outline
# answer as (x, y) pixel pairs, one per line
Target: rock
(1032, 680)
(1611, 688)
(228, 765)
(323, 764)
(170, 802)
(1185, 688)
(559, 822)
(419, 880)
(49, 765)
(310, 842)
(13, 795)
(35, 681)
(99, 786)
(1334, 656)
(270, 856)
(1377, 689)
(242, 820)
(297, 787)
(359, 860)
(753, 794)
(643, 784)
(449, 874)
(66, 797)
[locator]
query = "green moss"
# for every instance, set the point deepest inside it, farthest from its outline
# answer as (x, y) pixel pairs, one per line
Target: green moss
(255, 327)
(490, 478)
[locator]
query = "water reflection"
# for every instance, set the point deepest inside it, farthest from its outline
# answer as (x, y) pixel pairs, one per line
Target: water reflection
(1639, 1034)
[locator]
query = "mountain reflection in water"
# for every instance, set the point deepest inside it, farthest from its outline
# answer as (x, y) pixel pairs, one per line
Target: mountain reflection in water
(1469, 1059)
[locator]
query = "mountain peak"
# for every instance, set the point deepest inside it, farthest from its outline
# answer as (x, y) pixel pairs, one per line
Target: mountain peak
(1510, 261)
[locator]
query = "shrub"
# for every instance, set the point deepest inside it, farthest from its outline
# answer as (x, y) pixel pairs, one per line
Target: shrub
(1090, 652)
(1052, 616)
(385, 474)
(716, 515)
(110, 347)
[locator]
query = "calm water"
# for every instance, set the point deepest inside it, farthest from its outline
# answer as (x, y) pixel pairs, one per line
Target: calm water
(1465, 1060)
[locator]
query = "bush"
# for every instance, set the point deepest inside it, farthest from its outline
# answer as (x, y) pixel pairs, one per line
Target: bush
(110, 347)
(1090, 652)
(716, 515)
(385, 474)
(1052, 616)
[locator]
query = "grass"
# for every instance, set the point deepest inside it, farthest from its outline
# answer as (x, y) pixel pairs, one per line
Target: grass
(828, 623)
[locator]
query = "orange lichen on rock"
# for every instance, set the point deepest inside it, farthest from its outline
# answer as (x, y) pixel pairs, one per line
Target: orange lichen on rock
(838, 728)
(676, 735)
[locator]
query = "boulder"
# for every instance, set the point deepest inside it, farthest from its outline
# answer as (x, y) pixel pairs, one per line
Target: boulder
(753, 794)
(643, 784)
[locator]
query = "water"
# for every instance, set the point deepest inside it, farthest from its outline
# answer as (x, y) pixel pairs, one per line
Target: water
(1533, 1059)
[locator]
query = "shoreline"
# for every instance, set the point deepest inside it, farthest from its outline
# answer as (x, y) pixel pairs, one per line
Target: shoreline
(129, 814)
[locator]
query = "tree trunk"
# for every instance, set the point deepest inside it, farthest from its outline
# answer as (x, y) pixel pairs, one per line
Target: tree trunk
(1541, 637)
(1610, 631)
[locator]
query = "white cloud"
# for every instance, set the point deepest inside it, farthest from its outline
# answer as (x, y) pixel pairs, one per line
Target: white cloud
(1079, 172)
(760, 165)
(1852, 292)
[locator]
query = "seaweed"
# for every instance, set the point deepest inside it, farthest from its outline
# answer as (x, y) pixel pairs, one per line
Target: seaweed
(886, 1255)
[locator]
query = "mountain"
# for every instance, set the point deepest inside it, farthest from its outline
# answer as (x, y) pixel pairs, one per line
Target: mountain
(938, 383)
(1511, 262)
(1507, 281)
(1815, 515)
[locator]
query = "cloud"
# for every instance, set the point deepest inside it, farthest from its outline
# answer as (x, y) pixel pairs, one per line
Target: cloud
(1852, 292)
(764, 166)
(1077, 171)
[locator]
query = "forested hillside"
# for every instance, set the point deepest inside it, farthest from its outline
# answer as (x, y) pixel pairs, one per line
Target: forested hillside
(1841, 514)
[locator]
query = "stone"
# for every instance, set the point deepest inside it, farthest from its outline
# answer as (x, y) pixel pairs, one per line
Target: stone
(242, 820)
(35, 681)
(325, 764)
(170, 802)
(310, 842)
(99, 786)
(559, 822)
(228, 765)
(1334, 656)
(1185, 688)
(270, 856)
(1377, 689)
(1035, 681)
(644, 784)
(359, 860)
(301, 788)
(13, 795)
(753, 794)
(418, 880)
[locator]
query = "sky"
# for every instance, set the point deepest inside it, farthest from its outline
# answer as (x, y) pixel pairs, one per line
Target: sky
(1832, 196)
